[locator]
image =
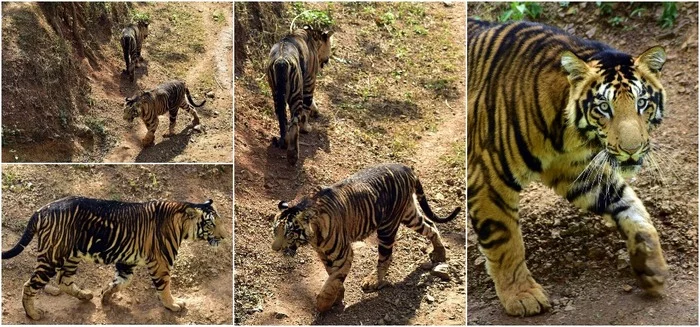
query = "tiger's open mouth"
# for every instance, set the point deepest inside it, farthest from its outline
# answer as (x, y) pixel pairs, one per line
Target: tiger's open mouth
(630, 166)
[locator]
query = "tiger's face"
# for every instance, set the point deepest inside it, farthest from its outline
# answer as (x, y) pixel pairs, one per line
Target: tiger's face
(135, 106)
(143, 28)
(617, 100)
(288, 232)
(324, 43)
(206, 219)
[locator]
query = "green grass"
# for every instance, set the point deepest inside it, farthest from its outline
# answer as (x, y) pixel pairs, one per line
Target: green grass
(97, 126)
(669, 15)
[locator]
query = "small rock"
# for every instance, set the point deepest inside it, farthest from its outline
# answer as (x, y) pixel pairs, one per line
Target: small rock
(591, 32)
(569, 307)
(448, 4)
(439, 197)
(479, 261)
(442, 271)
(210, 94)
(429, 298)
(626, 288)
(216, 113)
(280, 315)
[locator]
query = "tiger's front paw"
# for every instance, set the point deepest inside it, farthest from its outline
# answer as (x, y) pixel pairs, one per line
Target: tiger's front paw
(84, 295)
(176, 306)
(648, 262)
(30, 310)
(371, 284)
(525, 299)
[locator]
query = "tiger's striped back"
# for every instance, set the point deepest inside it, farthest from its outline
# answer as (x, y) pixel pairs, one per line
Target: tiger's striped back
(293, 65)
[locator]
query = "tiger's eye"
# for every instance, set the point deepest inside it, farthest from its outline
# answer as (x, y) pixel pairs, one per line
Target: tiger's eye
(642, 104)
(604, 106)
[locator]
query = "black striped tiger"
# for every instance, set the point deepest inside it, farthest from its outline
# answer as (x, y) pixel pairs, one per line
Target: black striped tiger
(73, 229)
(132, 41)
(378, 199)
(574, 114)
(292, 67)
(166, 98)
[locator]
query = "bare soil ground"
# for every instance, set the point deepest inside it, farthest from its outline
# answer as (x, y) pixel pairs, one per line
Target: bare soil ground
(581, 263)
(187, 41)
(393, 92)
(202, 275)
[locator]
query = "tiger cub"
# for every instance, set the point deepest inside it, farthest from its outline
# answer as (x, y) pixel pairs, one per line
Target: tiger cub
(575, 114)
(291, 74)
(378, 199)
(74, 229)
(131, 41)
(168, 98)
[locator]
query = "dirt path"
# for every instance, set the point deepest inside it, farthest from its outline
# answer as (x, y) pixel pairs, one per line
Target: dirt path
(354, 132)
(202, 276)
(582, 264)
(204, 71)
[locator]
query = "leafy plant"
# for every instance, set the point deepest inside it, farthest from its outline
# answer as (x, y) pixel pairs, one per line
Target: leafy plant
(604, 7)
(639, 12)
(317, 19)
(387, 19)
(518, 11)
(138, 16)
(616, 21)
(669, 15)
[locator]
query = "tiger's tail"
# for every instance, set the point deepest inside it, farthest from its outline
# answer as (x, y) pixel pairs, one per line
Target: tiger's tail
(191, 102)
(426, 208)
(126, 50)
(280, 74)
(24, 241)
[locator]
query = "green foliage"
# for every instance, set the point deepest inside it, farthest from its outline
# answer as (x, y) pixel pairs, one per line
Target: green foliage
(388, 19)
(669, 15)
(518, 11)
(604, 7)
(138, 16)
(317, 19)
(97, 126)
(639, 12)
(616, 21)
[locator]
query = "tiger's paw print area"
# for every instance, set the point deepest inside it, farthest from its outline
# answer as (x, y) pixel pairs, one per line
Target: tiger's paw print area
(64, 91)
(585, 267)
(201, 279)
(392, 91)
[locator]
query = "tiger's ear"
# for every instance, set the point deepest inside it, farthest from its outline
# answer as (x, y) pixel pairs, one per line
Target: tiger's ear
(193, 213)
(577, 68)
(327, 35)
(208, 202)
(282, 205)
(653, 59)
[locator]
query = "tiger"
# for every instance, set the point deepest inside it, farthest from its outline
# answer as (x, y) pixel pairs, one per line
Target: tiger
(75, 229)
(378, 198)
(574, 114)
(132, 39)
(291, 74)
(165, 98)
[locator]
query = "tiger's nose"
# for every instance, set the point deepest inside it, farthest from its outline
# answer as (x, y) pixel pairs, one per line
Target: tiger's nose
(631, 148)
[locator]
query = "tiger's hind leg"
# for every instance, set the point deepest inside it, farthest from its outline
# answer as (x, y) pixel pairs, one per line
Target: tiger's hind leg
(160, 275)
(121, 279)
(43, 272)
(333, 291)
(65, 280)
(493, 211)
(195, 118)
(309, 110)
(375, 281)
(415, 221)
(172, 113)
